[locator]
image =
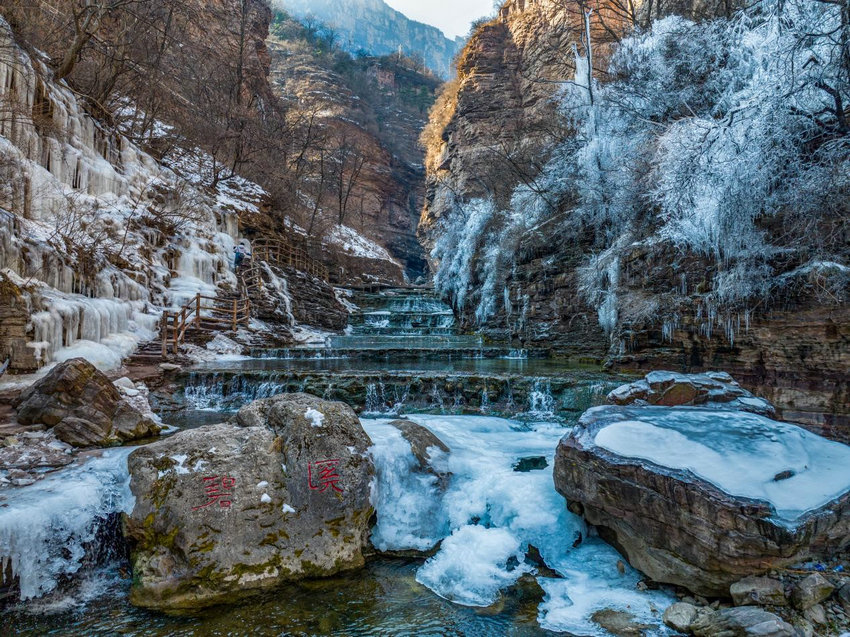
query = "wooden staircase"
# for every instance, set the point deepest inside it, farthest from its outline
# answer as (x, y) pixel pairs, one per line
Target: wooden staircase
(203, 315)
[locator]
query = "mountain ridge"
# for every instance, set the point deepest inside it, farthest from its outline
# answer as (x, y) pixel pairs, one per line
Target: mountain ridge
(376, 28)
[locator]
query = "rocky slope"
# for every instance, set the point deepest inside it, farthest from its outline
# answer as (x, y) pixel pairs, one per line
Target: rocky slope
(367, 112)
(376, 28)
(527, 248)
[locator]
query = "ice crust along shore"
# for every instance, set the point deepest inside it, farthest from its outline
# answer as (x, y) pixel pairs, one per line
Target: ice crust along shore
(45, 527)
(490, 515)
(742, 454)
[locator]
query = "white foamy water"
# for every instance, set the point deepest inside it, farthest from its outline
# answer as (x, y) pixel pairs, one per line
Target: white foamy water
(45, 527)
(490, 515)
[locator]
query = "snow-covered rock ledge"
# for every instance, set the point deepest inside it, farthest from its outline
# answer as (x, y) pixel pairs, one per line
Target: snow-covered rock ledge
(702, 497)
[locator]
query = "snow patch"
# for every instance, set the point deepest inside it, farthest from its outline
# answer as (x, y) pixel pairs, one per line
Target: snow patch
(316, 418)
(738, 452)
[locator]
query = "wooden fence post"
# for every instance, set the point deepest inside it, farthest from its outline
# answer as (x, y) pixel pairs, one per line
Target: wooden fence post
(235, 313)
(198, 311)
(176, 328)
(165, 316)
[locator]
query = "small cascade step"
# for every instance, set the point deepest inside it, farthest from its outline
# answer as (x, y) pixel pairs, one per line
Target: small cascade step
(415, 317)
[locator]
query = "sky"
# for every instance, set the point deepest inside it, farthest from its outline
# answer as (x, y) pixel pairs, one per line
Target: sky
(452, 16)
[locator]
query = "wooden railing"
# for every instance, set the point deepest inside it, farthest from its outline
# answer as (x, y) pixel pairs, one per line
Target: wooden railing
(198, 313)
(281, 253)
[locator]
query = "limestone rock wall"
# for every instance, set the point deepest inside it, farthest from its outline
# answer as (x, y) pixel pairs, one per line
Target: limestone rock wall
(491, 131)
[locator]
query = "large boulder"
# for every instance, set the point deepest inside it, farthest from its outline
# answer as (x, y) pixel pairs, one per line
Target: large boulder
(229, 510)
(746, 621)
(670, 389)
(83, 407)
(426, 447)
(701, 497)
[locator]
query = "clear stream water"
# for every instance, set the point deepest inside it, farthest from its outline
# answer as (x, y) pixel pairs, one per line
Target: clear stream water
(491, 405)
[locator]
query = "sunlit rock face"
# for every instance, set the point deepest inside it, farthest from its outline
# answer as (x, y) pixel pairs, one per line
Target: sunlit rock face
(487, 135)
(703, 497)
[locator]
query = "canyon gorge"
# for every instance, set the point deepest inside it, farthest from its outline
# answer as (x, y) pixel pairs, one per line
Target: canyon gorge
(316, 321)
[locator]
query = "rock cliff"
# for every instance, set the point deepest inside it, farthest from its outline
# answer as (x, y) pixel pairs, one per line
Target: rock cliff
(368, 112)
(376, 28)
(559, 270)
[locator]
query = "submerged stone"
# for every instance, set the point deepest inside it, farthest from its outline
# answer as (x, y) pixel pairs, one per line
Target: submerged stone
(536, 463)
(620, 623)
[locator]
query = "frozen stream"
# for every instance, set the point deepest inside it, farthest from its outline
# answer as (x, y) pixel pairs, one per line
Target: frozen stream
(486, 518)
(486, 527)
(489, 516)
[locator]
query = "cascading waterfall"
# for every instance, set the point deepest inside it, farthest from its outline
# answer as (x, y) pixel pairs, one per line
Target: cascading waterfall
(540, 400)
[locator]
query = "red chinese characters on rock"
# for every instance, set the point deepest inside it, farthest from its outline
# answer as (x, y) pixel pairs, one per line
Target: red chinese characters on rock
(218, 489)
(324, 475)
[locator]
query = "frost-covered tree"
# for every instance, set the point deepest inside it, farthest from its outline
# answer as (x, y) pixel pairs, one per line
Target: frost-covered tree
(726, 139)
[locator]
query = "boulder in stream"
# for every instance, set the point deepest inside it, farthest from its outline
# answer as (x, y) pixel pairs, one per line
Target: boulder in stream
(83, 407)
(426, 447)
(228, 510)
(704, 497)
(671, 389)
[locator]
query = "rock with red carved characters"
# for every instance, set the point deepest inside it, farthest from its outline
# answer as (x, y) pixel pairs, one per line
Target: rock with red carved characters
(225, 511)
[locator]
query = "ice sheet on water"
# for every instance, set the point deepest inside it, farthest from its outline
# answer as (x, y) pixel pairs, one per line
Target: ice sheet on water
(488, 517)
(45, 527)
(591, 583)
(740, 453)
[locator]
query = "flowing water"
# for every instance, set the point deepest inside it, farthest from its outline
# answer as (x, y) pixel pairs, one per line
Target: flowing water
(501, 411)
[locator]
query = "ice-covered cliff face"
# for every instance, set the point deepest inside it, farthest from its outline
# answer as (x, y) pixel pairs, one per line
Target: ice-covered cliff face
(375, 27)
(95, 235)
(662, 214)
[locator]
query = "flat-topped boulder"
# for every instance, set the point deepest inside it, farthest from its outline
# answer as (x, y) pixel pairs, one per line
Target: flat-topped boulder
(702, 497)
(226, 511)
(670, 389)
(84, 408)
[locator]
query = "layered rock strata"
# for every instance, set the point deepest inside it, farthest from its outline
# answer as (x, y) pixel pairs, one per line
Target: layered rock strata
(676, 525)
